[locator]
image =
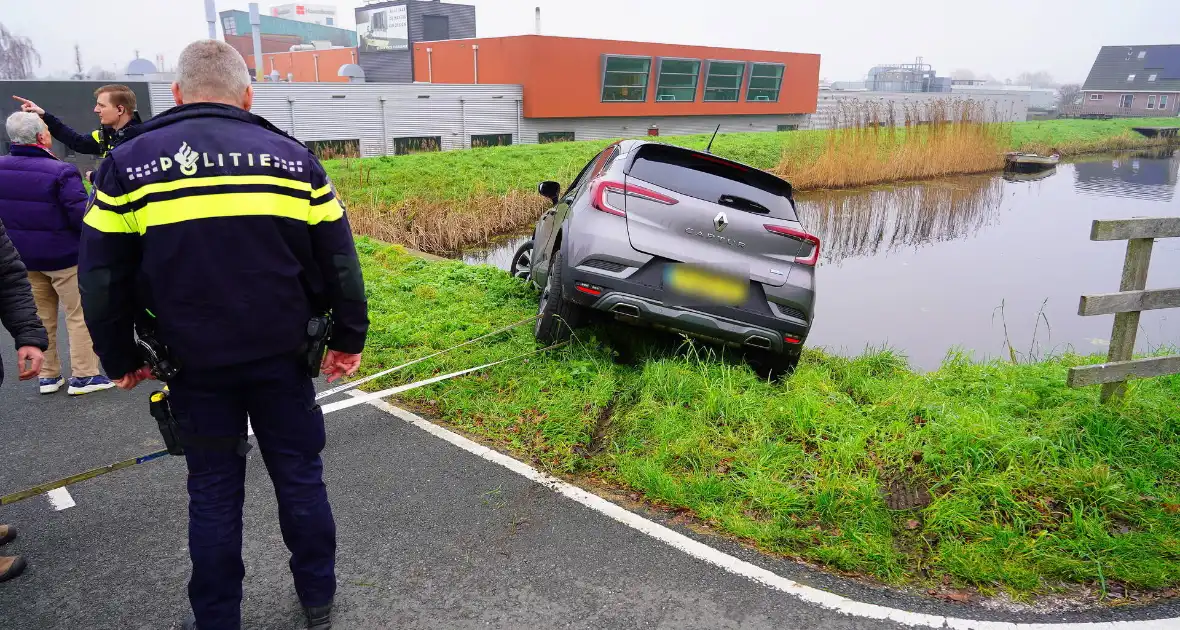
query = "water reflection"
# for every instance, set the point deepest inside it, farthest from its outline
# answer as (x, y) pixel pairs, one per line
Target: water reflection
(856, 223)
(498, 255)
(1143, 175)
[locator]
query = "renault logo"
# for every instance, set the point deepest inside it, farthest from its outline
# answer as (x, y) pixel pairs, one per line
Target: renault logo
(720, 221)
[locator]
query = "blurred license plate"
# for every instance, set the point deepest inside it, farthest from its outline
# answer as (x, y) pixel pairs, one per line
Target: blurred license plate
(695, 283)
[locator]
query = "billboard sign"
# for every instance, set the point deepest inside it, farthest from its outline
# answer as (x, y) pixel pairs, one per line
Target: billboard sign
(383, 29)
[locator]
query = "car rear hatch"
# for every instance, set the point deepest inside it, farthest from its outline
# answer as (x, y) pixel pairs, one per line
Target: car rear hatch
(696, 208)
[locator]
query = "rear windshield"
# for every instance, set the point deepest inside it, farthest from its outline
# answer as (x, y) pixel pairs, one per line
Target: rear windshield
(716, 180)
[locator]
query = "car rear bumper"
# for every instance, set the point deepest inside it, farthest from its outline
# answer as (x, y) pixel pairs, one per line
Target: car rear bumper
(638, 303)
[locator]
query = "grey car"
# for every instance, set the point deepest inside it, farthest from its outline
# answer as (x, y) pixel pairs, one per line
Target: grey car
(663, 236)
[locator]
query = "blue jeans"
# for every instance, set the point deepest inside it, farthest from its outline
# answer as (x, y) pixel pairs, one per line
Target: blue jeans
(279, 399)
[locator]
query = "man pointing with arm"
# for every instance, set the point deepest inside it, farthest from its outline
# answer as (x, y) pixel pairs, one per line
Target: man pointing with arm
(228, 232)
(115, 107)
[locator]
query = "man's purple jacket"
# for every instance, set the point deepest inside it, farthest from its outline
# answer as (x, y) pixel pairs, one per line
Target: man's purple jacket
(42, 202)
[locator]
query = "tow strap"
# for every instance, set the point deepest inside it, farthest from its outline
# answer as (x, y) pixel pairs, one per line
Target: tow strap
(330, 408)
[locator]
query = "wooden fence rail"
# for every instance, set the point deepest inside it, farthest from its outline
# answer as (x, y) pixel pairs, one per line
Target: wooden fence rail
(1133, 297)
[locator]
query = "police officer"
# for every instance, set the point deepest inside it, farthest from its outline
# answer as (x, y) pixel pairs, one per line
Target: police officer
(230, 234)
(115, 106)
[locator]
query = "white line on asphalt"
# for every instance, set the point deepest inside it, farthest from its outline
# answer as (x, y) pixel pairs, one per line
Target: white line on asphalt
(60, 499)
(738, 566)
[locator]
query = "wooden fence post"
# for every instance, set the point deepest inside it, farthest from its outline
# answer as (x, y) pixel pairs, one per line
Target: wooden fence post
(1126, 305)
(1126, 325)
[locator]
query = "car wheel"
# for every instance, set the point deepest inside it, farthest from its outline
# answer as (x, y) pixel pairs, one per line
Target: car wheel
(557, 316)
(522, 261)
(772, 365)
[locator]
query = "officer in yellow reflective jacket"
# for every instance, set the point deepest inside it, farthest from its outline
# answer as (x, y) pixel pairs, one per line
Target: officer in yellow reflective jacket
(115, 107)
(229, 232)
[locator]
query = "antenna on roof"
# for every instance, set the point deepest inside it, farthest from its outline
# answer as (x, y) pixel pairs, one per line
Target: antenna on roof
(712, 139)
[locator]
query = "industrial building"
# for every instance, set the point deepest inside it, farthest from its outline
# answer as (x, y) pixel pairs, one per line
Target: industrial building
(279, 35)
(388, 31)
(324, 14)
(605, 88)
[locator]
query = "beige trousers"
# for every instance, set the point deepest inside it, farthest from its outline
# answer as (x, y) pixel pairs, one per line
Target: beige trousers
(51, 288)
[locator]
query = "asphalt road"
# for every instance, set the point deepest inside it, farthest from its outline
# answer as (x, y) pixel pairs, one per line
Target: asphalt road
(430, 536)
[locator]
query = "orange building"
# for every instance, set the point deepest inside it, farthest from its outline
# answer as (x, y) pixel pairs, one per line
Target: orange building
(591, 78)
(306, 66)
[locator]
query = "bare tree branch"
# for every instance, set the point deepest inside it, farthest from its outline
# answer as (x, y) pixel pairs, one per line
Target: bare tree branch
(18, 57)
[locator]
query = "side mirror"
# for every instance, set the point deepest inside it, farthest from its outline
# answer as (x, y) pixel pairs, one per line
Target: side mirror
(549, 190)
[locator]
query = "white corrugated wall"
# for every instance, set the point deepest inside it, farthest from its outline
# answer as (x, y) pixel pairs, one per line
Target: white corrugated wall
(355, 111)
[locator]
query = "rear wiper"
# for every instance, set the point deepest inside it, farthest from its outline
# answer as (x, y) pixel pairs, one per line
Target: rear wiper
(741, 203)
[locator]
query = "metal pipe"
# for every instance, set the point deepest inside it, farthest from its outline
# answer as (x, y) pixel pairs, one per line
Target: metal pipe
(384, 131)
(315, 60)
(519, 106)
(538, 20)
(430, 65)
(475, 60)
(211, 17)
(255, 29)
(462, 123)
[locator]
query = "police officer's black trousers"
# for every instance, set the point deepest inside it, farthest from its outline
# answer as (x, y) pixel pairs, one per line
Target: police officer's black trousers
(289, 427)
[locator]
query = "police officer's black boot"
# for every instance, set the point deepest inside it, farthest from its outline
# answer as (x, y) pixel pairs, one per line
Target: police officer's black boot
(319, 617)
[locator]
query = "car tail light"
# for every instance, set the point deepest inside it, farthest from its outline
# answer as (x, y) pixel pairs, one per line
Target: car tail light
(599, 202)
(809, 260)
(792, 339)
(588, 289)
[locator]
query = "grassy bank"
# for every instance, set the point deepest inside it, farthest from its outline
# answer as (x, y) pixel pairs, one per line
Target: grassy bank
(1020, 483)
(440, 202)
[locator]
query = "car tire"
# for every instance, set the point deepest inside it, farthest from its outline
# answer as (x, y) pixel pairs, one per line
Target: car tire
(557, 316)
(774, 366)
(521, 265)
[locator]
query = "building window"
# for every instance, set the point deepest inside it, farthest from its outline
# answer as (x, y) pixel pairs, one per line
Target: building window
(625, 79)
(678, 80)
(765, 81)
(417, 144)
(1095, 97)
(436, 28)
(1142, 54)
(1130, 77)
(1163, 101)
(491, 140)
(330, 21)
(788, 128)
(1126, 101)
(724, 83)
(545, 137)
(1151, 101)
(330, 149)
(1151, 78)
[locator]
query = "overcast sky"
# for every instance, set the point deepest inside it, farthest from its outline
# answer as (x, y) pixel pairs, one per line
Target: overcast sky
(998, 37)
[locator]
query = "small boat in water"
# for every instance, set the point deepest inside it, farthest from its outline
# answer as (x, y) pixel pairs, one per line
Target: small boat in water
(1019, 176)
(1031, 162)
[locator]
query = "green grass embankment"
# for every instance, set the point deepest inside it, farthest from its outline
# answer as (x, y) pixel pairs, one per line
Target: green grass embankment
(1032, 486)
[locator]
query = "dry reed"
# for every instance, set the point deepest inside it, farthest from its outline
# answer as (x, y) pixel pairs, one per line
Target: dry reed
(866, 223)
(874, 142)
(445, 227)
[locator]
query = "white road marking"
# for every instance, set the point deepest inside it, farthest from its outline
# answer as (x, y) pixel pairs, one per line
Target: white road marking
(60, 499)
(736, 565)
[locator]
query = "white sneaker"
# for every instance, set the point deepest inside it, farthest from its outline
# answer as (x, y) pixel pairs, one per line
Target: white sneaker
(51, 385)
(88, 384)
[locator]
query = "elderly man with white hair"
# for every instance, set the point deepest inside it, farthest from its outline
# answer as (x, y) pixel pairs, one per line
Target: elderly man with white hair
(42, 202)
(221, 237)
